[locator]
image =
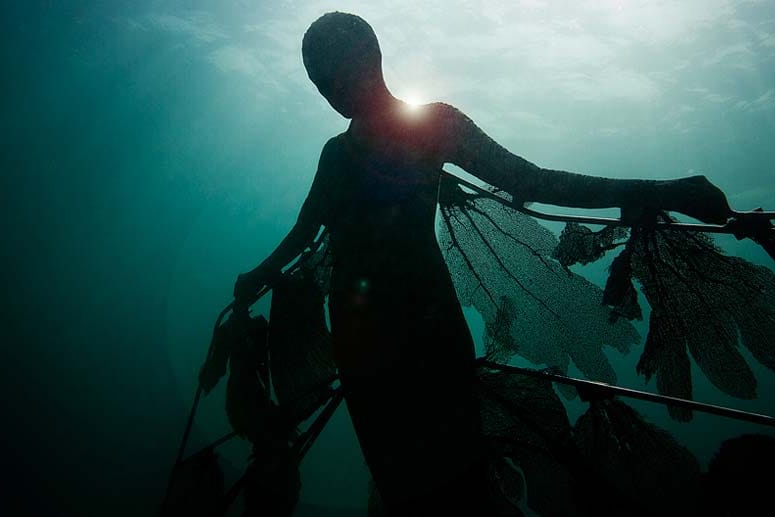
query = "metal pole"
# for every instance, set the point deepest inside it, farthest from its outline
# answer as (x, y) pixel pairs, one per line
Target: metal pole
(611, 390)
(198, 395)
(309, 436)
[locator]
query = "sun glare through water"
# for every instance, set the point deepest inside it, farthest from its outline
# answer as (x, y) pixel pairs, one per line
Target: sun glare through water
(412, 100)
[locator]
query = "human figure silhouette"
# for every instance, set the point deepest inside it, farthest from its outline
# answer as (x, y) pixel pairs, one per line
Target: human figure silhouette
(401, 343)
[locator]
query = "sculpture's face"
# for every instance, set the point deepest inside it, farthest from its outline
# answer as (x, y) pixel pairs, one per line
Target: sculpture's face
(342, 57)
(349, 88)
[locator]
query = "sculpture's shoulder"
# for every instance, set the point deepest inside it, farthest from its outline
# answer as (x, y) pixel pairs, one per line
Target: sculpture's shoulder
(333, 155)
(334, 146)
(448, 127)
(443, 113)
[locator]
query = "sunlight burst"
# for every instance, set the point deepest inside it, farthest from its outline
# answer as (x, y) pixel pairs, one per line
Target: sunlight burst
(413, 101)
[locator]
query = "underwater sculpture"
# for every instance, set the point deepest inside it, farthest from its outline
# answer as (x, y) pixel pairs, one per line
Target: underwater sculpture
(393, 307)
(400, 343)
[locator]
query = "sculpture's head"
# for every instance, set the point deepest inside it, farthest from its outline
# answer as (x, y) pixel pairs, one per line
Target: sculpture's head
(342, 57)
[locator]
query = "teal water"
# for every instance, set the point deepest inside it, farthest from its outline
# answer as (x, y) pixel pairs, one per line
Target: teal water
(152, 151)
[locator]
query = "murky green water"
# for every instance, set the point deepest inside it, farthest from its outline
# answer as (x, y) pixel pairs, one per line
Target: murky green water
(151, 151)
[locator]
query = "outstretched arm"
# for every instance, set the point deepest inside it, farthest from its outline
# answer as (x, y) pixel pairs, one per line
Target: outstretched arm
(467, 146)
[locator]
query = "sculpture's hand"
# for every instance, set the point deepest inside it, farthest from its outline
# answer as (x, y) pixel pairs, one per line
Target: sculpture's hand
(248, 284)
(697, 197)
(694, 196)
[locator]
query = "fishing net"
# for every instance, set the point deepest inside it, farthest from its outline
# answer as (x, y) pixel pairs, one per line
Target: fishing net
(703, 303)
(301, 365)
(251, 412)
(612, 462)
(523, 419)
(299, 340)
(501, 263)
(580, 245)
(647, 469)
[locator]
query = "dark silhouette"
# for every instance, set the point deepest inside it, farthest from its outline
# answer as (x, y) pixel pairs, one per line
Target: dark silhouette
(733, 483)
(401, 343)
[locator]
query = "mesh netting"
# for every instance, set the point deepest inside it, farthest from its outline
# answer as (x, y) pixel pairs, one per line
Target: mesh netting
(647, 469)
(702, 303)
(523, 418)
(701, 300)
(580, 245)
(501, 264)
(299, 340)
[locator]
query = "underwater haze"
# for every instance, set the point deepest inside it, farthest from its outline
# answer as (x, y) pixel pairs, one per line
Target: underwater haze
(153, 150)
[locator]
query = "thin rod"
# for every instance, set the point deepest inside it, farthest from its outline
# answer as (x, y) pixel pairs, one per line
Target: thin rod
(198, 395)
(305, 441)
(636, 394)
(231, 495)
(217, 443)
